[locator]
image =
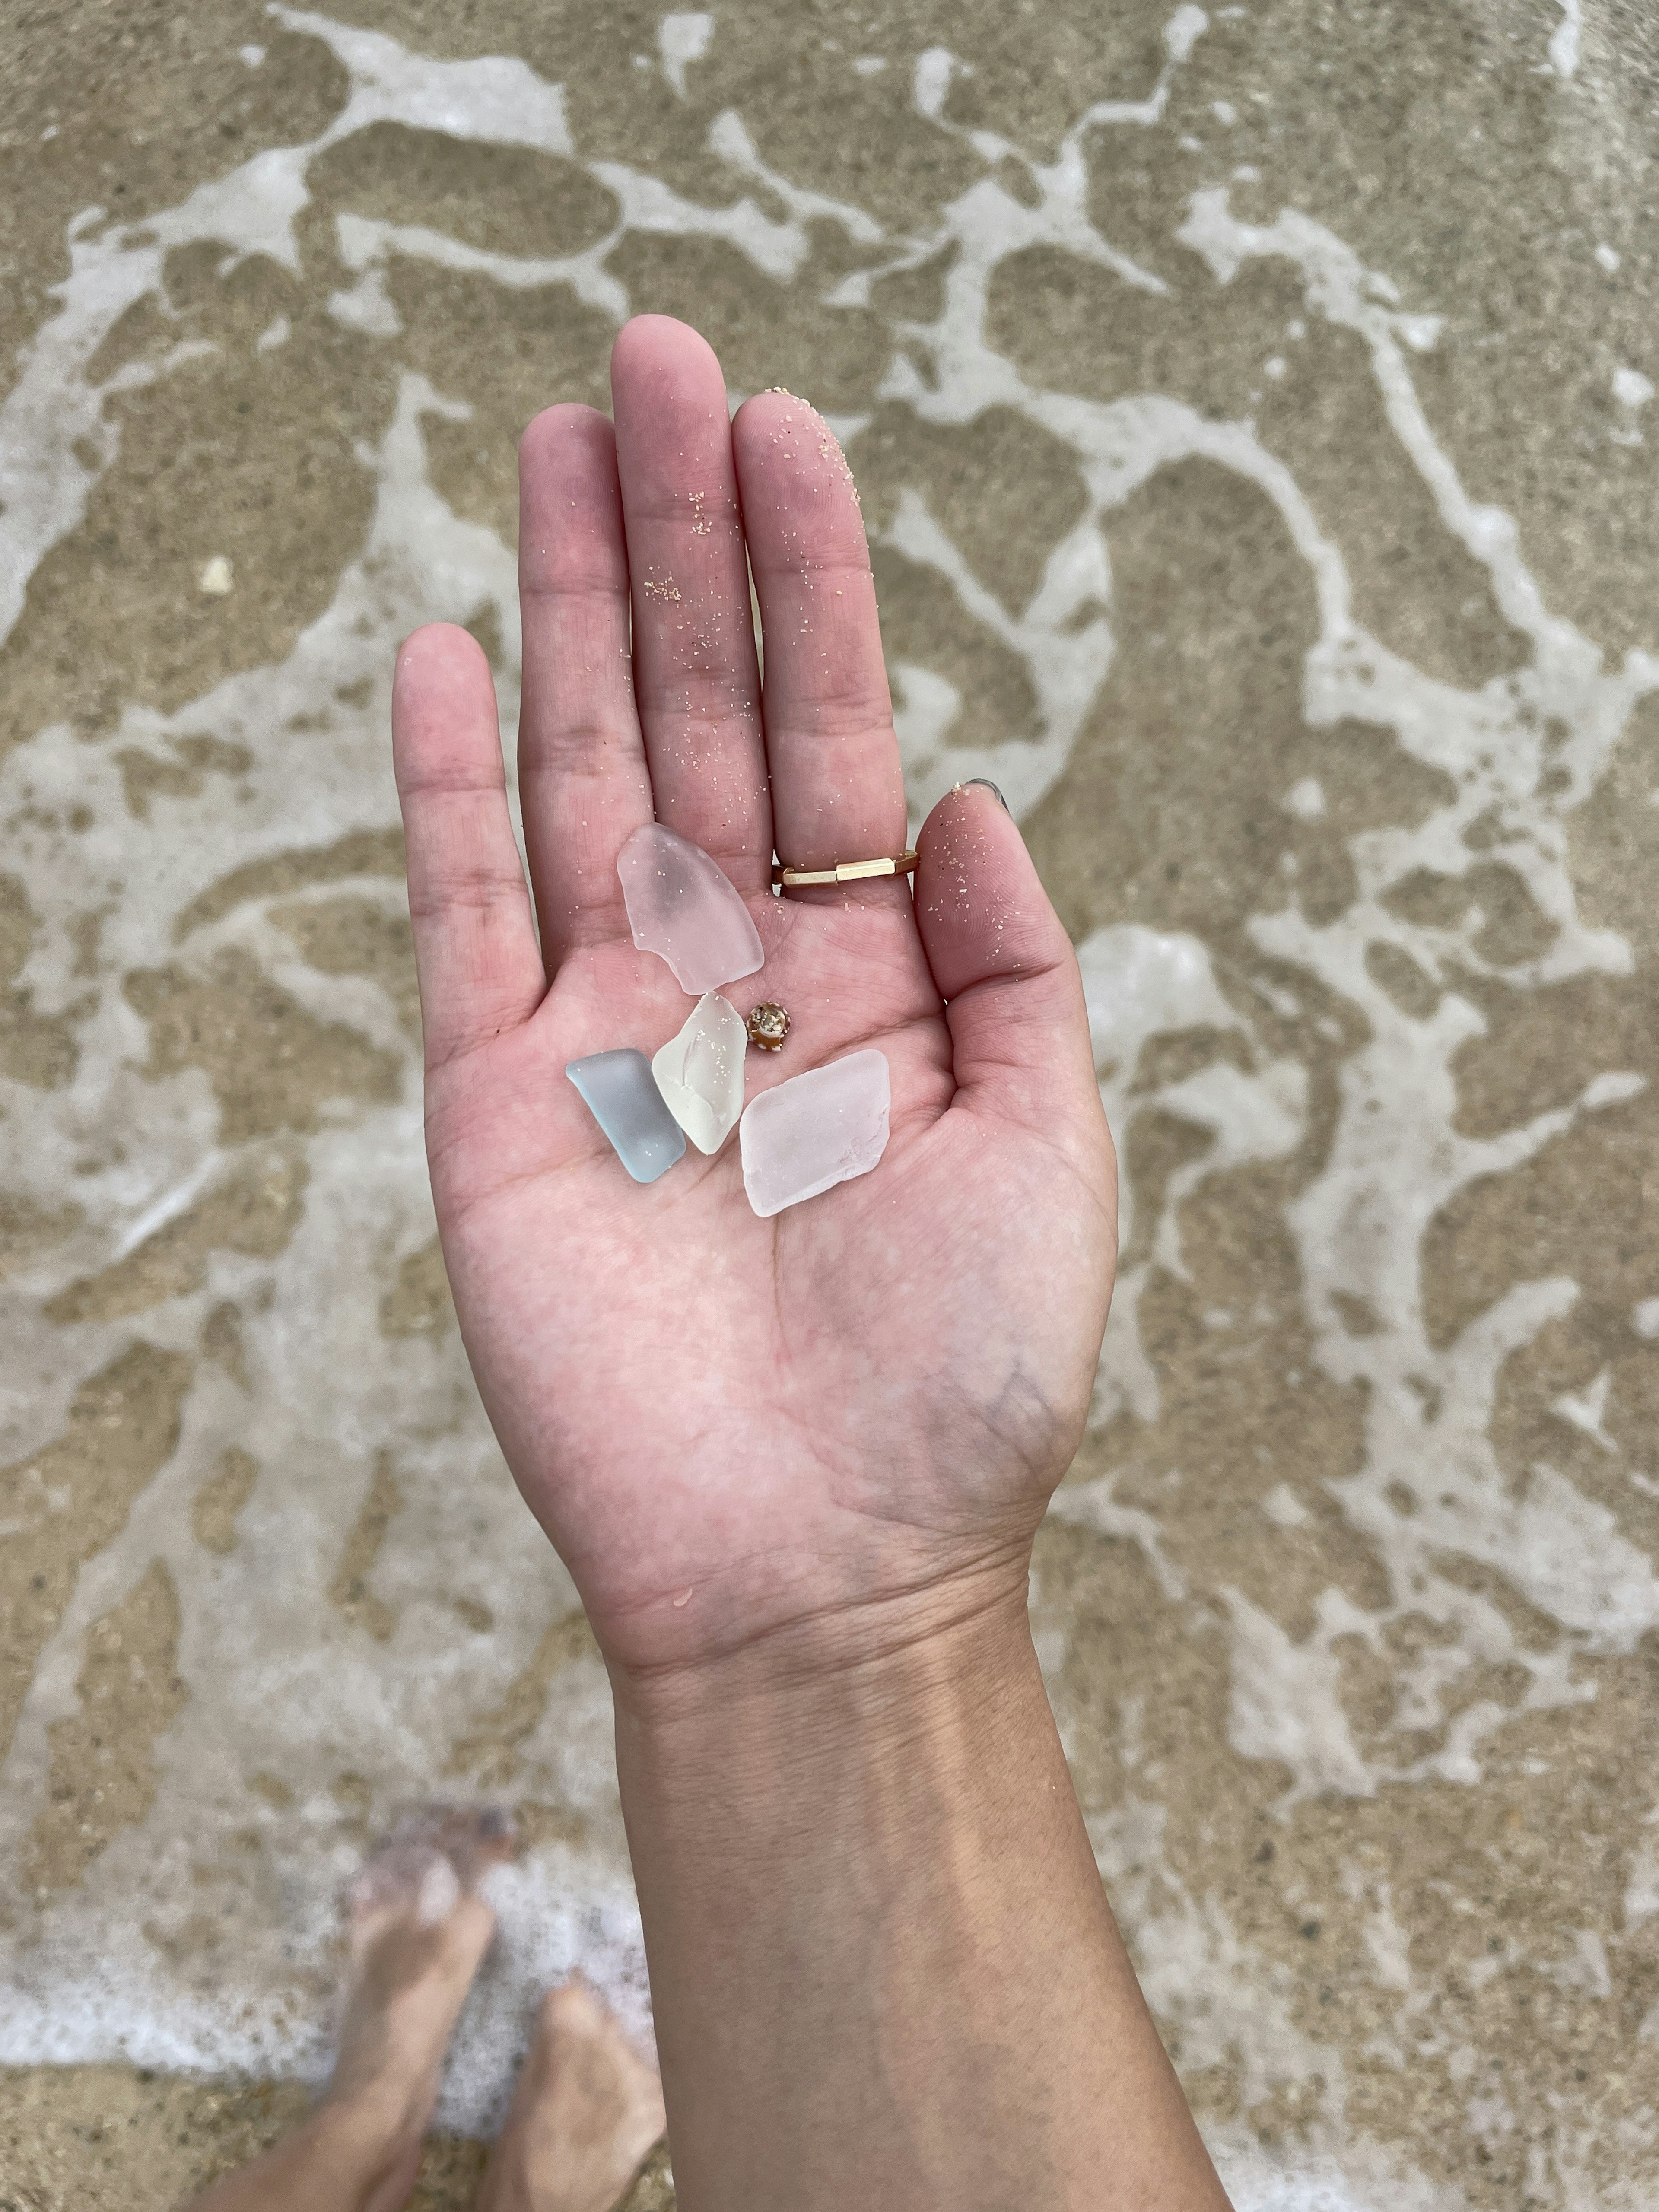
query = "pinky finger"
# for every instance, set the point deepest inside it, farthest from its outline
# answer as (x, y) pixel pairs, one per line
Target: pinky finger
(475, 941)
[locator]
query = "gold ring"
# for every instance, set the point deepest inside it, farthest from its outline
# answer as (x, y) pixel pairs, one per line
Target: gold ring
(844, 872)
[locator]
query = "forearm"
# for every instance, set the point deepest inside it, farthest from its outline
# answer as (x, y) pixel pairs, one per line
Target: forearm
(883, 1968)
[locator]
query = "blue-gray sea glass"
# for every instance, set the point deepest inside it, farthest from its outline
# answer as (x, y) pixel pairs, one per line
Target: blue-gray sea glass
(621, 1095)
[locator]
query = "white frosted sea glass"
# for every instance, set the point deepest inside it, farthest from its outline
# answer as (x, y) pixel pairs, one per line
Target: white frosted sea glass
(815, 1131)
(700, 1071)
(684, 905)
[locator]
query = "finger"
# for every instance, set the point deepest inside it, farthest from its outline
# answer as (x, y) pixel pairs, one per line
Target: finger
(1005, 967)
(475, 942)
(695, 674)
(837, 786)
(582, 780)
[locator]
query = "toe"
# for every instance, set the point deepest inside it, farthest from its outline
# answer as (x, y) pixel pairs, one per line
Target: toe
(572, 2009)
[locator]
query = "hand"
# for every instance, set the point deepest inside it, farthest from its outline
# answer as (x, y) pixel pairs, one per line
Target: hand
(847, 1419)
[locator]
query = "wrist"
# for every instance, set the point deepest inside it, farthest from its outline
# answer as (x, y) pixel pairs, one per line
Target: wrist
(836, 1843)
(871, 1681)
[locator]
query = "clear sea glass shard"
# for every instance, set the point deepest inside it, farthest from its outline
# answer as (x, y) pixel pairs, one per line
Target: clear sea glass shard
(623, 1096)
(700, 1071)
(685, 906)
(815, 1131)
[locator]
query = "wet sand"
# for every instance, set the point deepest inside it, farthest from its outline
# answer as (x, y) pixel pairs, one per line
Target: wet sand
(104, 2138)
(1253, 417)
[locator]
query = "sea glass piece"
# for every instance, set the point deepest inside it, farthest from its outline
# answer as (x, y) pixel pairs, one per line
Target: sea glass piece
(685, 906)
(815, 1131)
(700, 1071)
(621, 1096)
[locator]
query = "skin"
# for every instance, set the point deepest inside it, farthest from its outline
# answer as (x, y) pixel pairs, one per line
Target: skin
(795, 1465)
(587, 2107)
(585, 2112)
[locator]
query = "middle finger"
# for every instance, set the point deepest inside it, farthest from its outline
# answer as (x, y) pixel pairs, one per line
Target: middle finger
(696, 679)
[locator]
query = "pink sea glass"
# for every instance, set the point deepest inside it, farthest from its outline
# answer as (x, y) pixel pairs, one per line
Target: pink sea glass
(685, 906)
(816, 1130)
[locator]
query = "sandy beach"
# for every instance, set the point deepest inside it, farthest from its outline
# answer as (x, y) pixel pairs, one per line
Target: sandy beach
(1254, 413)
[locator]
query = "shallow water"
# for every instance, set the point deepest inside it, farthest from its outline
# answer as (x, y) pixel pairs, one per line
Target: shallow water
(1251, 413)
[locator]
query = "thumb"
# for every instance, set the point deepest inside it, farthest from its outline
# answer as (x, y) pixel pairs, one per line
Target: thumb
(1006, 971)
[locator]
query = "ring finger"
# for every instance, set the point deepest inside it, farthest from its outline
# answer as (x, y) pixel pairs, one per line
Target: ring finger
(838, 785)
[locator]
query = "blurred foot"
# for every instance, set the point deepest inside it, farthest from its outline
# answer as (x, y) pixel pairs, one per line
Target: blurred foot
(417, 1936)
(586, 2112)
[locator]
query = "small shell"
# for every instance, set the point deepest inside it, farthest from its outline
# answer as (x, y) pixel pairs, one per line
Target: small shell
(768, 1026)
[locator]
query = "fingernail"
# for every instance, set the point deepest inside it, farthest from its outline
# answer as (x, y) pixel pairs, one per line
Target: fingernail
(986, 784)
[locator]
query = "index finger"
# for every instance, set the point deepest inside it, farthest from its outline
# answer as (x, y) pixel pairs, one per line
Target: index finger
(582, 779)
(475, 943)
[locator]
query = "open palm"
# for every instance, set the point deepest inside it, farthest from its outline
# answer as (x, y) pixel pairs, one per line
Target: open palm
(731, 1426)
